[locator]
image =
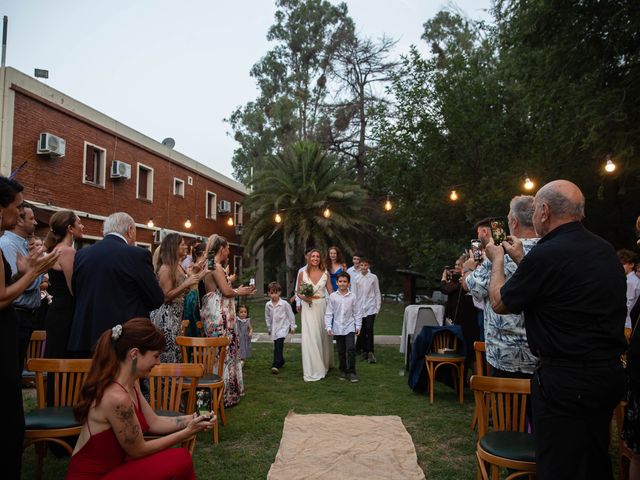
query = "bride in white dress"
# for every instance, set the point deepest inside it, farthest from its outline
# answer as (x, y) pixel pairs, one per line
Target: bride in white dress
(317, 349)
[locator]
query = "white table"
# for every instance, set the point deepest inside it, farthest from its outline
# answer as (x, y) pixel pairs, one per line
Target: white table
(409, 321)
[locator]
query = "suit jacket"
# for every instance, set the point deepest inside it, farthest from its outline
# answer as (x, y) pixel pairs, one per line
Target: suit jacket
(112, 282)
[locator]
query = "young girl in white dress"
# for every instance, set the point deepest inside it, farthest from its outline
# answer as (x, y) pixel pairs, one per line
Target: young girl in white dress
(317, 353)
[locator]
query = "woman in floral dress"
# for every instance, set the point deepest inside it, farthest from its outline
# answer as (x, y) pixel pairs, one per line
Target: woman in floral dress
(218, 315)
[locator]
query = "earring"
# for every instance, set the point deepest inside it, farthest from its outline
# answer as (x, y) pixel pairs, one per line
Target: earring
(134, 365)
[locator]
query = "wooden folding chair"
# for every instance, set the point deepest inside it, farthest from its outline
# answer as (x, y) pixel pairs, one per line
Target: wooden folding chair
(210, 352)
(444, 350)
(503, 442)
(57, 423)
(172, 389)
(35, 349)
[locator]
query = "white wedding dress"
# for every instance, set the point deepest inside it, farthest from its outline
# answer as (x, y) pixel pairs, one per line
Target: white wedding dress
(317, 355)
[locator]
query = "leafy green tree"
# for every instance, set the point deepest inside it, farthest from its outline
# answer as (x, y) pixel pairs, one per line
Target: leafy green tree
(299, 184)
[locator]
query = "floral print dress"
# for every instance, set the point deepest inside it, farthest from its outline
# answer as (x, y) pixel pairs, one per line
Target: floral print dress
(168, 318)
(218, 315)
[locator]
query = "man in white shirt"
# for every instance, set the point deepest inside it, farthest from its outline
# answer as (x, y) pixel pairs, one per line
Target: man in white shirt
(368, 298)
(280, 321)
(354, 270)
(628, 260)
(343, 324)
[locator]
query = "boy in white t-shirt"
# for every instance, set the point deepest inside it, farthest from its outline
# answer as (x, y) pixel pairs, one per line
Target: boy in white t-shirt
(280, 321)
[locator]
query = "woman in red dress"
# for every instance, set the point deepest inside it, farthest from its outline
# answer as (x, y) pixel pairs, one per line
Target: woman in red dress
(115, 415)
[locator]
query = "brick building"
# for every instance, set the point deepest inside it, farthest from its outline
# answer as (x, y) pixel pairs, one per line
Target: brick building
(70, 156)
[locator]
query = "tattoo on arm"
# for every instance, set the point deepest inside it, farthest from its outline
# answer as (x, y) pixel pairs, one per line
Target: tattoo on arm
(130, 428)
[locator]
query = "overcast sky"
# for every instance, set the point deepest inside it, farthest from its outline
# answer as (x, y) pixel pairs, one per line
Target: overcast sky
(177, 69)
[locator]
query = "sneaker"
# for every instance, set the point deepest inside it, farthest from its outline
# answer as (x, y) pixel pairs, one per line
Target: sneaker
(353, 378)
(274, 370)
(371, 358)
(342, 376)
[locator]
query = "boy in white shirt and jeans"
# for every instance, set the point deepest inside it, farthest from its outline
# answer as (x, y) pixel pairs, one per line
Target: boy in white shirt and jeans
(368, 299)
(343, 324)
(280, 321)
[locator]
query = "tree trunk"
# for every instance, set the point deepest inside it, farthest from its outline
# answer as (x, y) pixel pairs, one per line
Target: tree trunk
(290, 258)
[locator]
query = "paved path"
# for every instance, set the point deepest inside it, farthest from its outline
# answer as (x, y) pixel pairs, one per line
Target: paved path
(295, 338)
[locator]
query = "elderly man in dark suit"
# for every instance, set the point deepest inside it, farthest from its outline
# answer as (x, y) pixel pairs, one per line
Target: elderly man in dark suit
(113, 281)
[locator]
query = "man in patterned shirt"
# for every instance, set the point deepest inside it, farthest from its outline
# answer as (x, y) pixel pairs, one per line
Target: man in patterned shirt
(507, 350)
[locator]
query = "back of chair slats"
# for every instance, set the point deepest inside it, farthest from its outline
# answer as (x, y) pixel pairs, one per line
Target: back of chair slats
(444, 339)
(502, 399)
(68, 377)
(37, 344)
(208, 351)
(166, 382)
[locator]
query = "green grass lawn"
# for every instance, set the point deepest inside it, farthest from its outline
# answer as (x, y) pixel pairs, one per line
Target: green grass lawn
(441, 432)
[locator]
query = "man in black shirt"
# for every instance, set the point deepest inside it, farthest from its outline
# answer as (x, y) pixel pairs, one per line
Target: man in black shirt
(571, 289)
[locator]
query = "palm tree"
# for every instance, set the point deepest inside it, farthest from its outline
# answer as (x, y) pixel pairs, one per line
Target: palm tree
(299, 184)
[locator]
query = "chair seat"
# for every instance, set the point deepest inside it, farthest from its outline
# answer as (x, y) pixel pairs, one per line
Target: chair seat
(518, 446)
(206, 379)
(50, 418)
(444, 356)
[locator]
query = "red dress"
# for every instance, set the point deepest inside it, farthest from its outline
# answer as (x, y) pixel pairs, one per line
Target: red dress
(102, 457)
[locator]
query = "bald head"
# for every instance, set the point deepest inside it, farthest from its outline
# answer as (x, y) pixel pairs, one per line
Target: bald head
(555, 204)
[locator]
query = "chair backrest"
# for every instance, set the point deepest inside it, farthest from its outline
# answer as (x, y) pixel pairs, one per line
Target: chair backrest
(482, 368)
(68, 377)
(208, 351)
(425, 317)
(36, 344)
(504, 400)
(444, 339)
(185, 325)
(167, 383)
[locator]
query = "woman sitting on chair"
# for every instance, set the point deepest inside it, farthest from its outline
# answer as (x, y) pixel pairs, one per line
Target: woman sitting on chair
(115, 415)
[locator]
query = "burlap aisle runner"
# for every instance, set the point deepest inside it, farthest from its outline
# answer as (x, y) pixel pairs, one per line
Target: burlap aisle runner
(343, 447)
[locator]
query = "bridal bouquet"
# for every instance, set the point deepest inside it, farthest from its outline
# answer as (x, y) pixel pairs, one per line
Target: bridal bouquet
(306, 289)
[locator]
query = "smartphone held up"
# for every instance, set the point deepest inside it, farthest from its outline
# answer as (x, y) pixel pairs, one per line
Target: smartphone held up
(497, 231)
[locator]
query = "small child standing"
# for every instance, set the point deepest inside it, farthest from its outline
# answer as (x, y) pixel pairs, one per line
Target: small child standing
(343, 324)
(245, 332)
(280, 321)
(368, 299)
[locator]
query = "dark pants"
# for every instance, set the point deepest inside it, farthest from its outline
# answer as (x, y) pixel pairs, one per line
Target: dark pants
(366, 333)
(26, 321)
(572, 410)
(278, 353)
(346, 352)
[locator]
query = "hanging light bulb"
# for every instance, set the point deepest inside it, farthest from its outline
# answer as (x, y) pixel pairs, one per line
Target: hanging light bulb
(187, 223)
(277, 218)
(528, 184)
(230, 221)
(150, 222)
(609, 166)
(454, 195)
(326, 213)
(387, 205)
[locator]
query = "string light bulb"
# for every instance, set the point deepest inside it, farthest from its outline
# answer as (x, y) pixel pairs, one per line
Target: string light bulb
(326, 213)
(609, 166)
(387, 205)
(454, 195)
(277, 218)
(528, 184)
(187, 223)
(230, 221)
(150, 223)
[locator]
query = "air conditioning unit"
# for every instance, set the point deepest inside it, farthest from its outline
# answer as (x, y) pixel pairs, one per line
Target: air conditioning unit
(51, 145)
(119, 169)
(224, 206)
(159, 235)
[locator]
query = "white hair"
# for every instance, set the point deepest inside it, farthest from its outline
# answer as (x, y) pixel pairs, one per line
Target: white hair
(118, 222)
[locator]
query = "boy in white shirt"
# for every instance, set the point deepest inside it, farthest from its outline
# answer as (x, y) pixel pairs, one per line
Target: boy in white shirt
(280, 321)
(368, 300)
(343, 324)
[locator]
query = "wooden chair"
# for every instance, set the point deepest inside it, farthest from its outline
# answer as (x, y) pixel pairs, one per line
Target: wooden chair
(35, 350)
(481, 368)
(503, 442)
(210, 352)
(444, 351)
(56, 423)
(172, 388)
(185, 325)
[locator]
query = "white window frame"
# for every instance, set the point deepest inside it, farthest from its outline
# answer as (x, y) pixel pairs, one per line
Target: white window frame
(102, 166)
(238, 213)
(178, 182)
(149, 197)
(211, 209)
